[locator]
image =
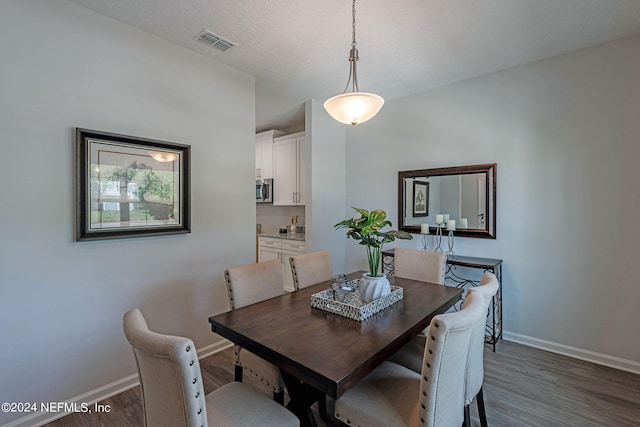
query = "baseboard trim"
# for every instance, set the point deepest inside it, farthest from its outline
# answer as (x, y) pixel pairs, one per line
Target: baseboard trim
(104, 392)
(577, 353)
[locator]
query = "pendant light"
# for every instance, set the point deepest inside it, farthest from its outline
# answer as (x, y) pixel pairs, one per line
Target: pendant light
(353, 107)
(163, 156)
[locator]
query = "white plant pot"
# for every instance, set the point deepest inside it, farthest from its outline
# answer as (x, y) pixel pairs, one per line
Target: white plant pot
(372, 288)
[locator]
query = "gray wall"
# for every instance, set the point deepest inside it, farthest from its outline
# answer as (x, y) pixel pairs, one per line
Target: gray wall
(326, 180)
(564, 133)
(61, 302)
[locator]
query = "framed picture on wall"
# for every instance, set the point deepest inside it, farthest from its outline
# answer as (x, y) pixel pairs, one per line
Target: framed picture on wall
(130, 187)
(420, 198)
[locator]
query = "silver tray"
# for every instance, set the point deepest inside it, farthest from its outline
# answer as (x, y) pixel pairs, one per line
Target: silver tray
(353, 306)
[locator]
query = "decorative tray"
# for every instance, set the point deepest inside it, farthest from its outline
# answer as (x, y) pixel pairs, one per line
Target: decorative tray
(349, 304)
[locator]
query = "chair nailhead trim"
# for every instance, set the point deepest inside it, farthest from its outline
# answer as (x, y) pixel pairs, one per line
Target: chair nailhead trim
(191, 363)
(195, 380)
(436, 325)
(199, 411)
(424, 393)
(188, 347)
(433, 338)
(197, 395)
(428, 365)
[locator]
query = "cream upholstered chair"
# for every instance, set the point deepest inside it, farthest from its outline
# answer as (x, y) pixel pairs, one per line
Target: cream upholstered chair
(172, 390)
(249, 284)
(426, 266)
(311, 268)
(393, 395)
(487, 288)
(307, 270)
(413, 264)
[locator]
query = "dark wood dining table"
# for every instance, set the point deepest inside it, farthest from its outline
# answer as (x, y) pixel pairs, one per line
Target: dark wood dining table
(320, 353)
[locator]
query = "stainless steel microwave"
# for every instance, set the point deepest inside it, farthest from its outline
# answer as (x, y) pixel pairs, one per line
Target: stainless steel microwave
(264, 190)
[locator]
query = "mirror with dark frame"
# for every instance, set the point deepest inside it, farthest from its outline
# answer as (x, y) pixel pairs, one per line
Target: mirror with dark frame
(465, 194)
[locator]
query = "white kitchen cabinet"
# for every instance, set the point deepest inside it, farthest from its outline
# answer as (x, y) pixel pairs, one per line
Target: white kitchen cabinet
(264, 153)
(289, 170)
(270, 248)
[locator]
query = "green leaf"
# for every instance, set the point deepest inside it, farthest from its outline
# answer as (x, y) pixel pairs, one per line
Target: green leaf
(363, 212)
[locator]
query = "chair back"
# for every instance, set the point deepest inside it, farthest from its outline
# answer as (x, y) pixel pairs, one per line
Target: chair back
(487, 288)
(413, 264)
(170, 378)
(252, 283)
(312, 268)
(445, 360)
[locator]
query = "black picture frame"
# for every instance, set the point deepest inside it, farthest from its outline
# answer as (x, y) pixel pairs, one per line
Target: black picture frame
(128, 186)
(420, 198)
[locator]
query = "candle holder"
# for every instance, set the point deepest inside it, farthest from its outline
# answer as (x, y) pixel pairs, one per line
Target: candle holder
(426, 242)
(438, 237)
(450, 252)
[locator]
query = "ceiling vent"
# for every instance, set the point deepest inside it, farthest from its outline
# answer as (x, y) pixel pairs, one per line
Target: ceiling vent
(214, 40)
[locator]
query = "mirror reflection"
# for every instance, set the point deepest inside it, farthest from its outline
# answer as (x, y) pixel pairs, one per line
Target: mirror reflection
(460, 198)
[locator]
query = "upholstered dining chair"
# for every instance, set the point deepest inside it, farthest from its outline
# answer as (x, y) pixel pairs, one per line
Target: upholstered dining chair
(307, 270)
(172, 389)
(427, 266)
(413, 264)
(487, 288)
(311, 268)
(247, 285)
(393, 395)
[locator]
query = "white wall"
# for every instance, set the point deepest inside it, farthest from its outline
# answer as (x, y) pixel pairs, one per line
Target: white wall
(564, 133)
(326, 181)
(61, 302)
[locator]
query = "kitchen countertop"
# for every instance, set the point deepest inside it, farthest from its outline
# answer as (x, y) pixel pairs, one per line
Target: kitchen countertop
(289, 236)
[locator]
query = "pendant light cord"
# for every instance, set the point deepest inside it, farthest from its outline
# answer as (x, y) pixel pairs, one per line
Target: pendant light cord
(353, 14)
(353, 55)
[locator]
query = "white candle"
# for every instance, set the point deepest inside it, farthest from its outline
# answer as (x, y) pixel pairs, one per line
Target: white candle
(439, 219)
(446, 218)
(424, 228)
(451, 225)
(464, 223)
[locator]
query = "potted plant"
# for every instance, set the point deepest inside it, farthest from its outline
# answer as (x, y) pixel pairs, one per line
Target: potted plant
(368, 230)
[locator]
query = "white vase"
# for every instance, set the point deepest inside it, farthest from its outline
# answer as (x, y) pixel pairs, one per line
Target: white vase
(372, 288)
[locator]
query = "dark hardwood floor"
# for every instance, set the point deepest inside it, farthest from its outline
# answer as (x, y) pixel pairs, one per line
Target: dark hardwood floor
(523, 386)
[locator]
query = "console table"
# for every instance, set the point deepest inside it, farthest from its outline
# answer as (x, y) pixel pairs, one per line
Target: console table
(453, 278)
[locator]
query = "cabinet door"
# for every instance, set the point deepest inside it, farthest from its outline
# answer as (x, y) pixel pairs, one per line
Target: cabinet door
(268, 254)
(258, 158)
(302, 172)
(267, 159)
(264, 155)
(285, 164)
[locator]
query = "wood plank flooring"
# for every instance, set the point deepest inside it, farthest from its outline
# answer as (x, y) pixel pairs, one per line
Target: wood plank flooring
(523, 386)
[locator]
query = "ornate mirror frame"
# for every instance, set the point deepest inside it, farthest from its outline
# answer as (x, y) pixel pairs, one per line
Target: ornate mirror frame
(490, 191)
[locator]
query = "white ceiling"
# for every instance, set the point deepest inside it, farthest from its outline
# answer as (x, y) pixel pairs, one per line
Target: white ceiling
(297, 50)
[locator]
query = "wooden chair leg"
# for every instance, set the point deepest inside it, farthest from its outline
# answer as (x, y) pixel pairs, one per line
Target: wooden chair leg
(467, 416)
(278, 396)
(238, 373)
(481, 411)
